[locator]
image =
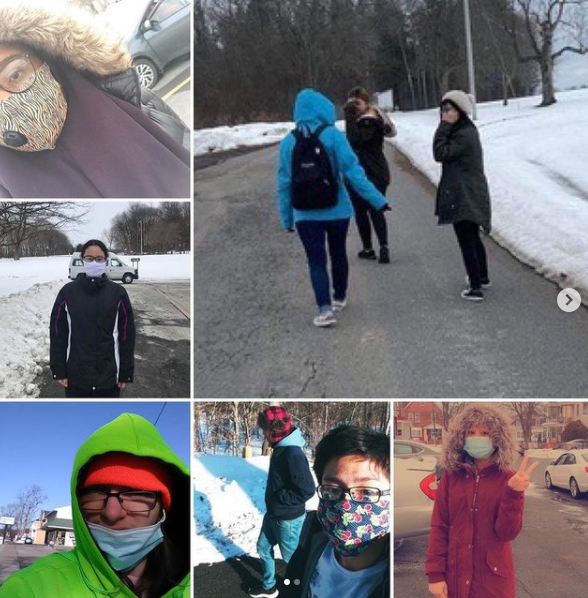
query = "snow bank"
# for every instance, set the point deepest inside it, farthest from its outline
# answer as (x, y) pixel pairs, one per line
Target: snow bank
(24, 349)
(229, 506)
(549, 454)
(534, 161)
(19, 275)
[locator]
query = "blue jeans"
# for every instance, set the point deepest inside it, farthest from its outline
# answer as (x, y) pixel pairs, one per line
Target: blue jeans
(284, 533)
(313, 234)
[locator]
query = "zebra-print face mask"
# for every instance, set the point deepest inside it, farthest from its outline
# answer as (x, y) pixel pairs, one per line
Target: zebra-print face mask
(32, 121)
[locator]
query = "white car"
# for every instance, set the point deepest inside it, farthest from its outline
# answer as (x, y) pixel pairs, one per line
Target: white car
(415, 483)
(569, 471)
(116, 269)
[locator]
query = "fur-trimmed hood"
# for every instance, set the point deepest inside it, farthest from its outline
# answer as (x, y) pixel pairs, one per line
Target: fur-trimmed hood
(64, 32)
(503, 435)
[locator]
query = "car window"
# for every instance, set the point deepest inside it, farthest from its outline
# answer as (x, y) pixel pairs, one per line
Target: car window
(77, 262)
(560, 460)
(402, 449)
(585, 457)
(167, 9)
(115, 263)
(571, 460)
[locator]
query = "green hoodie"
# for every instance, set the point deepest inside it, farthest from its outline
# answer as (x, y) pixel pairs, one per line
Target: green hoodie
(84, 572)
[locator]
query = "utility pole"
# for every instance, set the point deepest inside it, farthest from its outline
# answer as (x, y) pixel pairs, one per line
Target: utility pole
(141, 230)
(470, 54)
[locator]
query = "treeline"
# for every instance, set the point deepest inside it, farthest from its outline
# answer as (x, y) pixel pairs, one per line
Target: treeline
(253, 56)
(163, 228)
(226, 426)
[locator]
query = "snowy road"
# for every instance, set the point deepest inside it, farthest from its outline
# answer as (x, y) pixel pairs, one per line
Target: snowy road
(550, 553)
(162, 353)
(406, 332)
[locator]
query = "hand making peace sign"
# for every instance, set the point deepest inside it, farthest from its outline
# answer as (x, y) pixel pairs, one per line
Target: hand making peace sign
(522, 478)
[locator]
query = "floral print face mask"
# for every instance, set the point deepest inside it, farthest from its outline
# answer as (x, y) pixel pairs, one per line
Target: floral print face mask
(352, 526)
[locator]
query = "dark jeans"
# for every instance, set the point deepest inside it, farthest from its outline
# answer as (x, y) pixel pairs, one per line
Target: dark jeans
(73, 392)
(473, 252)
(363, 213)
(315, 235)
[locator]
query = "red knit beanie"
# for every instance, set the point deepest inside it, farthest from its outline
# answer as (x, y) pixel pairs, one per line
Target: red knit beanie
(277, 421)
(124, 469)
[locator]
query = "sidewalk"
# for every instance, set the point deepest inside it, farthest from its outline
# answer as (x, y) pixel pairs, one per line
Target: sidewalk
(9, 563)
(14, 557)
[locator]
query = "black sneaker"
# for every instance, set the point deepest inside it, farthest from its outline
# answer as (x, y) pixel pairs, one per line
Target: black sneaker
(472, 295)
(485, 282)
(384, 255)
(261, 592)
(367, 254)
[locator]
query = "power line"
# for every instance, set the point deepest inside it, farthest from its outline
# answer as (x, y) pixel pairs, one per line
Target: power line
(155, 423)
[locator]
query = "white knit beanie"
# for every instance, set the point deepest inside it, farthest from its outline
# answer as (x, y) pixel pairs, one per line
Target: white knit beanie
(464, 101)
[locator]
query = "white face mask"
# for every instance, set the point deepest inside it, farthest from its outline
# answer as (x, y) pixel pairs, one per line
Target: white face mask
(94, 269)
(126, 548)
(33, 120)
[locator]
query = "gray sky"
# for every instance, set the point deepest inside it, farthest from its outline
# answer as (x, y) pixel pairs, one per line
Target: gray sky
(99, 217)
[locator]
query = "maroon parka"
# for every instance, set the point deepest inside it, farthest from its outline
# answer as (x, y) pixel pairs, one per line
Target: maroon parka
(475, 517)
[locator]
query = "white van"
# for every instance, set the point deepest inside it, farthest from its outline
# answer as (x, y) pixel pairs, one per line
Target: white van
(116, 269)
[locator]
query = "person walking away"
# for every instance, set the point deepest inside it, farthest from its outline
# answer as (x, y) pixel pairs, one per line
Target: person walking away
(366, 126)
(463, 198)
(478, 508)
(289, 486)
(314, 160)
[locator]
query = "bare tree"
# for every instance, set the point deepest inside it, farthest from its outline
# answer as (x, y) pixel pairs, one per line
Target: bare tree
(526, 412)
(450, 409)
(543, 20)
(29, 501)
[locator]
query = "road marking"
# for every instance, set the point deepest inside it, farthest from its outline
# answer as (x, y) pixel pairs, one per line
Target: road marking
(169, 94)
(569, 300)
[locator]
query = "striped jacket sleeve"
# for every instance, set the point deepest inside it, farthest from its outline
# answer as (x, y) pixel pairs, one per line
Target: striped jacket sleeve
(59, 338)
(126, 338)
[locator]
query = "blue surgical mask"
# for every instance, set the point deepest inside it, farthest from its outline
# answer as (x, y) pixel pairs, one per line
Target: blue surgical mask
(126, 548)
(478, 447)
(94, 269)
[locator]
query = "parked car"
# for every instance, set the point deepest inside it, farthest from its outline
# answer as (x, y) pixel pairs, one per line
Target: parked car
(415, 483)
(405, 449)
(571, 445)
(569, 471)
(116, 269)
(158, 31)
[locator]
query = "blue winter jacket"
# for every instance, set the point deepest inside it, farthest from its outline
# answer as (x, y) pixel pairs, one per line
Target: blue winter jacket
(311, 110)
(289, 482)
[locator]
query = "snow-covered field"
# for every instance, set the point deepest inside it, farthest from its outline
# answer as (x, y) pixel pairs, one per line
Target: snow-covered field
(535, 163)
(28, 288)
(229, 506)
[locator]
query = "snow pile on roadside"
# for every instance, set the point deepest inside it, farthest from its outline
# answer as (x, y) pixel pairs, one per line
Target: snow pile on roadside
(229, 506)
(24, 350)
(534, 161)
(221, 139)
(153, 267)
(544, 453)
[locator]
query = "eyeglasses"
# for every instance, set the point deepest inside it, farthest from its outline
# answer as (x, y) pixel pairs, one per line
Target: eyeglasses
(90, 258)
(357, 494)
(17, 74)
(133, 501)
(447, 109)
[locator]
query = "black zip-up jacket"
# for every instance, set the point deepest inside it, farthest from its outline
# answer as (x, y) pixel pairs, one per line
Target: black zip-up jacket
(92, 333)
(313, 542)
(289, 483)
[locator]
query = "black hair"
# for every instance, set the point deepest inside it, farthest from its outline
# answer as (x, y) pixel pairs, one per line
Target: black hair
(96, 242)
(459, 111)
(353, 440)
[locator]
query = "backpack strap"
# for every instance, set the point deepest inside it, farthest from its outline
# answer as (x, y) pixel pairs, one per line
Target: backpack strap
(320, 129)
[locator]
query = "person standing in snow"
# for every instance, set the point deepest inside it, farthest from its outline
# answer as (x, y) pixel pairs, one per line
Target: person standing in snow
(313, 198)
(478, 507)
(463, 198)
(289, 486)
(92, 332)
(344, 547)
(366, 126)
(131, 517)
(74, 120)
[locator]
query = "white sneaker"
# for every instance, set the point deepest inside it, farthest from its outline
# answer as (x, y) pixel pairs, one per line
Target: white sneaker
(339, 305)
(325, 319)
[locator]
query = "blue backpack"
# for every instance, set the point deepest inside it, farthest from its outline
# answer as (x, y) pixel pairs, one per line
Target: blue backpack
(314, 186)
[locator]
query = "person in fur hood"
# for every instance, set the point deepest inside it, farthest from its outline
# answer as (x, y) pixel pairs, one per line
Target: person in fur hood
(74, 121)
(366, 126)
(478, 507)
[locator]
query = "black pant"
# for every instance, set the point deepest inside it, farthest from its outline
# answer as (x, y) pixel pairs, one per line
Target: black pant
(73, 392)
(363, 213)
(473, 252)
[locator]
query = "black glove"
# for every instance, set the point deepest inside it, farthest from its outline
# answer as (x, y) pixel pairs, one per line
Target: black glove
(351, 110)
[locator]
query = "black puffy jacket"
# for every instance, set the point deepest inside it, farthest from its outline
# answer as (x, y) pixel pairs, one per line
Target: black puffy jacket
(92, 334)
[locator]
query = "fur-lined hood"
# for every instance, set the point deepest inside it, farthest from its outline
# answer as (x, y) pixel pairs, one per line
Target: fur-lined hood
(503, 435)
(64, 32)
